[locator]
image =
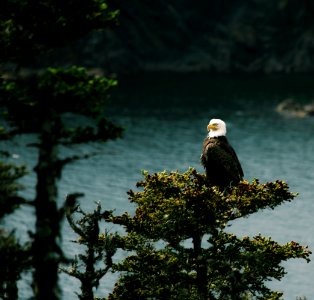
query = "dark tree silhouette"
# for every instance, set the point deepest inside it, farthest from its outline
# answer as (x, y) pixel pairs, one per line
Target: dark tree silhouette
(38, 104)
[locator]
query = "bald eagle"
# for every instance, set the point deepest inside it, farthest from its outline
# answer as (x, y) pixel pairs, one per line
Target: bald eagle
(219, 159)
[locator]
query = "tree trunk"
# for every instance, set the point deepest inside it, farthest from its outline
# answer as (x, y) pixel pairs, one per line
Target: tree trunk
(47, 252)
(201, 268)
(87, 283)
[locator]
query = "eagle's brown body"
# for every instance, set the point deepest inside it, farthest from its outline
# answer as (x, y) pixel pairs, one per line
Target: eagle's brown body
(220, 162)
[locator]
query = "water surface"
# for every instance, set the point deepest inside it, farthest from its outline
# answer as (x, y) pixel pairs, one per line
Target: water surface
(165, 118)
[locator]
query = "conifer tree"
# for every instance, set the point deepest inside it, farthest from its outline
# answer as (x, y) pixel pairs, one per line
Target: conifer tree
(180, 246)
(13, 255)
(100, 247)
(41, 103)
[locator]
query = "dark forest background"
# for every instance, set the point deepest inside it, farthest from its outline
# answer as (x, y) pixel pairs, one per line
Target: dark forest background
(228, 36)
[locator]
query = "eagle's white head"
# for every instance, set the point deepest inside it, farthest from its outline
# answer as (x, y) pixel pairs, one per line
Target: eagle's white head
(216, 127)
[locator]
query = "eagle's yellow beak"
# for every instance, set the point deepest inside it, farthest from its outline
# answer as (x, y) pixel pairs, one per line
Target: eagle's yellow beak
(212, 127)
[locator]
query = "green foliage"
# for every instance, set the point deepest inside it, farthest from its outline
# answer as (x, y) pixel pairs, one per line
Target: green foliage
(51, 95)
(14, 259)
(48, 104)
(27, 28)
(176, 214)
(175, 201)
(100, 247)
(9, 188)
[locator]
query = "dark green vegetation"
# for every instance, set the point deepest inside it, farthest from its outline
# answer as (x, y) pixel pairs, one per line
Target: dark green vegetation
(40, 104)
(172, 209)
(14, 256)
(28, 29)
(100, 247)
(182, 250)
(229, 36)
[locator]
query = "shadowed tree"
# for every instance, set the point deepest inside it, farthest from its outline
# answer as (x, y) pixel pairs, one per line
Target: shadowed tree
(43, 104)
(27, 28)
(100, 247)
(13, 255)
(39, 106)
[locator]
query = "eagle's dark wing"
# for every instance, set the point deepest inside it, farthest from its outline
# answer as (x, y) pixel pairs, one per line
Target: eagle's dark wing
(221, 162)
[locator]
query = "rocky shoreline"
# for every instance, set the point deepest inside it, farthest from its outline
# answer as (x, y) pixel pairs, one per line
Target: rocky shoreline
(218, 36)
(212, 36)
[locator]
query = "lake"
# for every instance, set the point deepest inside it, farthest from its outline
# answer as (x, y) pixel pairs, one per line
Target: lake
(165, 118)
